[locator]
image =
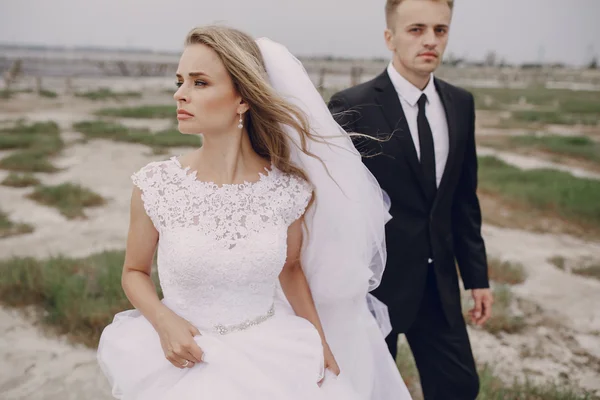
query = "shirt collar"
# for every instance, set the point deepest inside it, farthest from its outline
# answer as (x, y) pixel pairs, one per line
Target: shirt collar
(409, 92)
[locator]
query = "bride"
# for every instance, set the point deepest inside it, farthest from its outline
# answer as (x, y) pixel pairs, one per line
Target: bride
(269, 237)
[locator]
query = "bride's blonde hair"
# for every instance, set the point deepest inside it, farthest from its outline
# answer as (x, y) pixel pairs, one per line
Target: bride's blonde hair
(268, 112)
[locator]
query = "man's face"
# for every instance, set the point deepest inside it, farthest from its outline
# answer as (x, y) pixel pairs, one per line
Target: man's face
(418, 35)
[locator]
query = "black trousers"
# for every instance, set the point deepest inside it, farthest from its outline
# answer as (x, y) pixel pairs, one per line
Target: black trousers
(442, 353)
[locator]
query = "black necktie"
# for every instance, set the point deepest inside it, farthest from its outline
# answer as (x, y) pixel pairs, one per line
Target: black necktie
(427, 150)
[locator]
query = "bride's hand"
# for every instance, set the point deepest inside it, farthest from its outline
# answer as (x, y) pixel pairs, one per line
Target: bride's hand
(330, 362)
(177, 340)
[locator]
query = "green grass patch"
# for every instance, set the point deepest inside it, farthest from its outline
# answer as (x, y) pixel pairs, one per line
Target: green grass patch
(543, 189)
(50, 143)
(48, 94)
(20, 180)
(581, 105)
(70, 199)
(107, 130)
(43, 128)
(171, 138)
(570, 101)
(580, 147)
(36, 143)
(79, 296)
(555, 118)
(552, 106)
(492, 388)
(158, 141)
(506, 272)
(6, 94)
(149, 111)
(108, 94)
(28, 161)
(9, 228)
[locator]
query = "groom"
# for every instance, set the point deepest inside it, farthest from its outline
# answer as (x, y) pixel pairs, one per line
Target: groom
(428, 167)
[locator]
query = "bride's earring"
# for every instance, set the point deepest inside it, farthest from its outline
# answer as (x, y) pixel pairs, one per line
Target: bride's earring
(241, 124)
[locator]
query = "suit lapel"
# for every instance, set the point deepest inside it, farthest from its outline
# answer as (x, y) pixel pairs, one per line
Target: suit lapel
(387, 99)
(450, 109)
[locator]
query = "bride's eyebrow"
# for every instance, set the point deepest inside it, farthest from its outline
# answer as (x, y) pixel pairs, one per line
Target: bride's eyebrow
(194, 74)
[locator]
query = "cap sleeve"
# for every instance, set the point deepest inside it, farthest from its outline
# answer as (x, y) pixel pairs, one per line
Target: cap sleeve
(148, 179)
(300, 193)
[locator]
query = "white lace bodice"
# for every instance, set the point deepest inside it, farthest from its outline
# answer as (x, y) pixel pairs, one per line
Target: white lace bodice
(221, 248)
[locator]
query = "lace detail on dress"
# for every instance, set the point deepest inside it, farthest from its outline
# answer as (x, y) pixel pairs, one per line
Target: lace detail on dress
(173, 197)
(221, 248)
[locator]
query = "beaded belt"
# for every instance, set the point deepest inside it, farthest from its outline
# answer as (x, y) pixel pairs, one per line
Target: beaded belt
(223, 330)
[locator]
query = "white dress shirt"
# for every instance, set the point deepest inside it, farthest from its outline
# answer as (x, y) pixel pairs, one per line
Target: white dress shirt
(434, 110)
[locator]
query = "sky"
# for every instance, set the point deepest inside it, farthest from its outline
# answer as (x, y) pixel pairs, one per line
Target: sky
(518, 31)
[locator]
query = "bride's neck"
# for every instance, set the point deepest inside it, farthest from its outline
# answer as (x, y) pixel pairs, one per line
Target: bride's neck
(225, 159)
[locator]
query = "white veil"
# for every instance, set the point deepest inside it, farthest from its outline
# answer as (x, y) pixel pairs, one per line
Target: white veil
(344, 247)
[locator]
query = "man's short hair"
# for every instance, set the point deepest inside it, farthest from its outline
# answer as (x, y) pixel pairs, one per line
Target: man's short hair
(392, 5)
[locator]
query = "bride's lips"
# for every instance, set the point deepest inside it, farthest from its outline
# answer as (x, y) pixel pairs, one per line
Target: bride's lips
(182, 114)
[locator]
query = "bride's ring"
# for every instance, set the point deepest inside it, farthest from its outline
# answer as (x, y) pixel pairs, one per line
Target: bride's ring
(186, 363)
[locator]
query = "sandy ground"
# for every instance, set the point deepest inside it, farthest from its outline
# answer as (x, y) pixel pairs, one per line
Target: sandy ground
(33, 366)
(562, 338)
(561, 342)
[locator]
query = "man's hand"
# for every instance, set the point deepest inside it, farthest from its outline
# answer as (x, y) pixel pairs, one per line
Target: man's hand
(482, 311)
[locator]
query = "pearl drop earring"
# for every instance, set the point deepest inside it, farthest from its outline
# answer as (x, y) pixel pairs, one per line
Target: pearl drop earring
(241, 124)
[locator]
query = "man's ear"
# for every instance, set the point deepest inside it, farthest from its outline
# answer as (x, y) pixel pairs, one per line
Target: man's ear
(388, 35)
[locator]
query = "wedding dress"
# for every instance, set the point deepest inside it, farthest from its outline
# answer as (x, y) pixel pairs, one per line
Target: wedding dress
(220, 251)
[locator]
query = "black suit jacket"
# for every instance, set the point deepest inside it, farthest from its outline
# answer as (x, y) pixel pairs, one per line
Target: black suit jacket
(446, 230)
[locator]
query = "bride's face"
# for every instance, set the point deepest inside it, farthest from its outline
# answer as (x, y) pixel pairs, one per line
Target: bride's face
(207, 102)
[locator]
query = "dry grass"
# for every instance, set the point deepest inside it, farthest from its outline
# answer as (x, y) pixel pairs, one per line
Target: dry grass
(590, 271)
(559, 262)
(586, 268)
(493, 388)
(70, 199)
(506, 272)
(20, 180)
(507, 213)
(9, 228)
